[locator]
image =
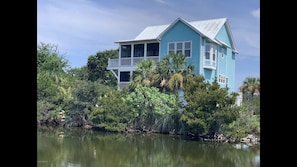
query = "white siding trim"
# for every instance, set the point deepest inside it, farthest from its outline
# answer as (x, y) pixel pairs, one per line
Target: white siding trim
(201, 54)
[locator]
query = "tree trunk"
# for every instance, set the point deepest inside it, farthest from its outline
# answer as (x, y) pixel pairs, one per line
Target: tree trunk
(252, 106)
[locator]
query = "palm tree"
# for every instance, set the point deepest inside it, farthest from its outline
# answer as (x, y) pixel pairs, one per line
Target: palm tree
(178, 62)
(173, 70)
(175, 82)
(250, 86)
(144, 74)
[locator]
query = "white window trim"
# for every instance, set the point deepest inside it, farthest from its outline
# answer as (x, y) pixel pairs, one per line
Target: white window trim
(222, 79)
(183, 47)
(213, 50)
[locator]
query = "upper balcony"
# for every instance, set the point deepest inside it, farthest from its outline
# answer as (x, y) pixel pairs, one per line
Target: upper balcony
(128, 62)
(132, 53)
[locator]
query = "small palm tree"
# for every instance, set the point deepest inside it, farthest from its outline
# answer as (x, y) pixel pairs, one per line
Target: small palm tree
(178, 62)
(144, 74)
(175, 82)
(173, 71)
(250, 86)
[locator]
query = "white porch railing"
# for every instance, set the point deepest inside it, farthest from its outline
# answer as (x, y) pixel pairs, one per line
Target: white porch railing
(123, 84)
(154, 58)
(137, 60)
(125, 61)
(112, 63)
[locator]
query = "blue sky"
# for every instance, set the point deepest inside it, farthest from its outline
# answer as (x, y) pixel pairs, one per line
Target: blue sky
(81, 28)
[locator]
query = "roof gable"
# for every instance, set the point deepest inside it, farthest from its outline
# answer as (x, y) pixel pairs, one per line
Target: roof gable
(230, 36)
(206, 28)
(173, 23)
(209, 27)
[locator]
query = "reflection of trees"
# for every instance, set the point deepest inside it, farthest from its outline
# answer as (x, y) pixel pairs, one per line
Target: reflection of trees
(91, 149)
(216, 154)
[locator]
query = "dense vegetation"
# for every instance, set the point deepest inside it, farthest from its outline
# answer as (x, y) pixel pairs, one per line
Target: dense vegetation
(89, 96)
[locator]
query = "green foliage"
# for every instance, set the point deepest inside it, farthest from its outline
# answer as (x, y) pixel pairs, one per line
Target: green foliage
(48, 112)
(249, 88)
(45, 86)
(88, 91)
(250, 85)
(209, 107)
(150, 100)
(53, 82)
(193, 124)
(163, 67)
(144, 74)
(79, 73)
(175, 82)
(97, 65)
(50, 71)
(245, 124)
(43, 108)
(86, 94)
(256, 104)
(173, 71)
(112, 112)
(49, 59)
(152, 107)
(179, 62)
(69, 90)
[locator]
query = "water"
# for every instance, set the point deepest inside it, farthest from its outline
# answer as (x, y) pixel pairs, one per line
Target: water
(85, 148)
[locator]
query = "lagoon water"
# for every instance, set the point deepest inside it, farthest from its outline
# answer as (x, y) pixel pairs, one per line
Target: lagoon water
(76, 147)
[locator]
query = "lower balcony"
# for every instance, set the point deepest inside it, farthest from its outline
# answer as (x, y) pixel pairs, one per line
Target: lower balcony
(123, 84)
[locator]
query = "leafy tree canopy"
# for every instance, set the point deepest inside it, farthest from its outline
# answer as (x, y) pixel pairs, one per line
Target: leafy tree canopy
(209, 107)
(97, 67)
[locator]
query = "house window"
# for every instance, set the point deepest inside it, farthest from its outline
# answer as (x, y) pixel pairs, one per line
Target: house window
(124, 76)
(171, 49)
(187, 51)
(223, 52)
(222, 79)
(207, 52)
(153, 49)
(126, 51)
(214, 56)
(210, 50)
(180, 47)
(138, 50)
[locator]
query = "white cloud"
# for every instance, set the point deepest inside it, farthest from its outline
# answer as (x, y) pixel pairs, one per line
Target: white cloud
(90, 21)
(246, 34)
(81, 28)
(256, 13)
(88, 26)
(160, 1)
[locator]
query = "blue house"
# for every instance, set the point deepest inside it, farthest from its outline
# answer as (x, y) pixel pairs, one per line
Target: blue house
(207, 44)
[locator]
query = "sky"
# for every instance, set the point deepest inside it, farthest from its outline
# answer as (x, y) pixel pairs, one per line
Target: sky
(81, 28)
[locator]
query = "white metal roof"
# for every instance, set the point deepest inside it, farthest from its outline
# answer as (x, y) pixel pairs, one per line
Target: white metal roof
(207, 28)
(151, 32)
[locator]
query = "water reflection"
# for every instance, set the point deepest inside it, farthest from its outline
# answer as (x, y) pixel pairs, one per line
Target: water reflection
(85, 148)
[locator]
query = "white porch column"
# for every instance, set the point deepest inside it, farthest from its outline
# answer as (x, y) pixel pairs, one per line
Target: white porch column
(132, 54)
(145, 50)
(120, 55)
